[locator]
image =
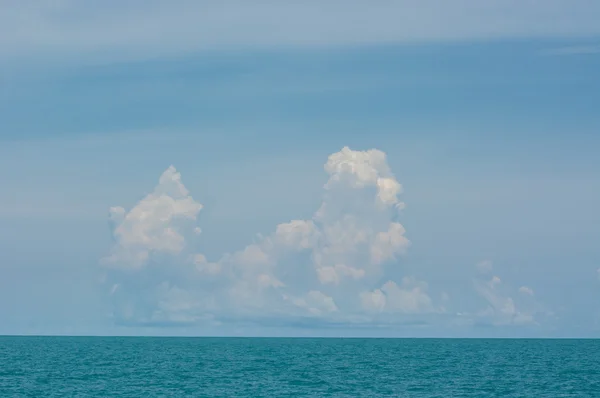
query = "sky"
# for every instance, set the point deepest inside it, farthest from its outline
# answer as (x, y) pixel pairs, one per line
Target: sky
(399, 169)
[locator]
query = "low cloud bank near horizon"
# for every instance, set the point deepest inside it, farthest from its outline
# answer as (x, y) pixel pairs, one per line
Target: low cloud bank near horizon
(330, 269)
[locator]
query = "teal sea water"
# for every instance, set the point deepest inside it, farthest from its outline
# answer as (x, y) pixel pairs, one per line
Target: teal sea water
(272, 367)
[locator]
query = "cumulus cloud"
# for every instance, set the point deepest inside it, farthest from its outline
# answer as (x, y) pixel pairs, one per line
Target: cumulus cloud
(332, 268)
(526, 290)
(316, 303)
(502, 309)
(328, 267)
(484, 266)
(157, 224)
(409, 298)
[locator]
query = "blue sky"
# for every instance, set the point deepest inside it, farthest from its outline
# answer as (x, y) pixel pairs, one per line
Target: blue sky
(486, 114)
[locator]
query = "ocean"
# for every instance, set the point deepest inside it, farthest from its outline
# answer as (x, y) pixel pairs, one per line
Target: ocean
(298, 367)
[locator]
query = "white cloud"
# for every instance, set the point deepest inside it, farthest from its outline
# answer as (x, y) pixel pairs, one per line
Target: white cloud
(388, 243)
(157, 224)
(335, 273)
(317, 303)
(329, 268)
(495, 281)
(501, 307)
(484, 266)
(526, 290)
(204, 266)
(409, 298)
(360, 169)
(373, 301)
(298, 234)
(314, 267)
(343, 248)
(358, 231)
(126, 29)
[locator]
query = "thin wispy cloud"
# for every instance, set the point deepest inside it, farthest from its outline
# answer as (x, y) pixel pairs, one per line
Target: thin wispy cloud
(131, 29)
(573, 50)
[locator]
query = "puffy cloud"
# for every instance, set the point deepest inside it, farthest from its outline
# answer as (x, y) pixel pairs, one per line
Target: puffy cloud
(388, 243)
(148, 282)
(501, 307)
(157, 224)
(343, 247)
(298, 234)
(206, 267)
(505, 305)
(484, 266)
(334, 274)
(357, 219)
(329, 268)
(409, 298)
(315, 267)
(373, 301)
(316, 303)
(526, 290)
(361, 169)
(495, 281)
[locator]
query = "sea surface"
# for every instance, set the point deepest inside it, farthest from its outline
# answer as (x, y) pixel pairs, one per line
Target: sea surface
(285, 367)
